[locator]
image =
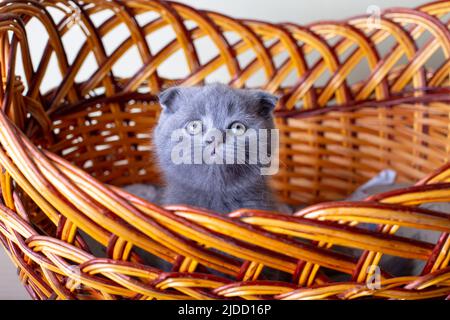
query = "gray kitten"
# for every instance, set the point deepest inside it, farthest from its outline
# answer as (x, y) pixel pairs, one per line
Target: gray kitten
(196, 112)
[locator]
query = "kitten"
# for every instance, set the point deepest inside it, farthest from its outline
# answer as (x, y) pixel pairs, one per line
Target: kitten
(197, 114)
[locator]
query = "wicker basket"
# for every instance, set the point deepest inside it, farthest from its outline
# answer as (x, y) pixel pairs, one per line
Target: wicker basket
(65, 153)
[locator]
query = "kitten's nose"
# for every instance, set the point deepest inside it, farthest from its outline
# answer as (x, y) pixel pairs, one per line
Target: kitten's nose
(209, 140)
(213, 136)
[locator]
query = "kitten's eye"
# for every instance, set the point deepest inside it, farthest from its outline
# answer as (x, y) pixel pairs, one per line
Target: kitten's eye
(194, 127)
(238, 129)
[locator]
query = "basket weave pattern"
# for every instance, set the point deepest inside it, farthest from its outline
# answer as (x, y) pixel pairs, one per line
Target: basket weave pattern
(64, 153)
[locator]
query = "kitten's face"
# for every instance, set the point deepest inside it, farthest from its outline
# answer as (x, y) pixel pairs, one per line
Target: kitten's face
(212, 124)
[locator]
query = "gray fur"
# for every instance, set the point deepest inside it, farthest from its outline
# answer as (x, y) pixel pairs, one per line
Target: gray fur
(219, 187)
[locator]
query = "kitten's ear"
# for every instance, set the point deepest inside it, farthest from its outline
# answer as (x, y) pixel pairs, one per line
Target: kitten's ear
(167, 99)
(266, 103)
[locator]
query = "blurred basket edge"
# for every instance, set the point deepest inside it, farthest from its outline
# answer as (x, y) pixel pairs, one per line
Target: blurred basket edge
(65, 153)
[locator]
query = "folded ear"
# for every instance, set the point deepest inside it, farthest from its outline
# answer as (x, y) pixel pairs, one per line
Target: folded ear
(266, 103)
(167, 99)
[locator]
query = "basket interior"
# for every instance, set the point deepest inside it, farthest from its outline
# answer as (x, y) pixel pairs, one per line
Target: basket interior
(324, 155)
